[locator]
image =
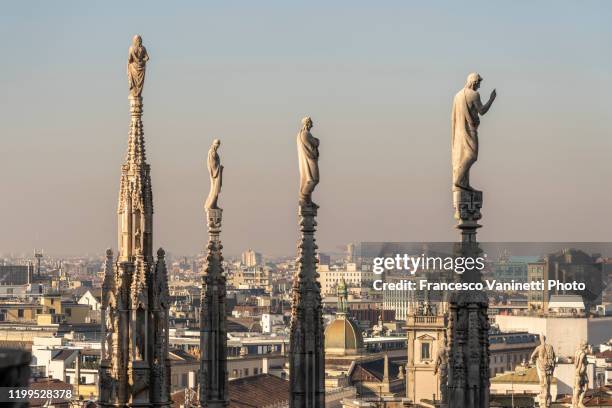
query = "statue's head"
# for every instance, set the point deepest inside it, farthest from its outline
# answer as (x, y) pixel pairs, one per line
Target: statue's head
(542, 338)
(216, 143)
(473, 81)
(307, 122)
(137, 40)
(584, 345)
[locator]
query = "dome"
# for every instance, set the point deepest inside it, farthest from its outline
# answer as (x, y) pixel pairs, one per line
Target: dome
(343, 337)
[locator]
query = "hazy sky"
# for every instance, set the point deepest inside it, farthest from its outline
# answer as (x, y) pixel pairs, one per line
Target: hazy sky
(377, 79)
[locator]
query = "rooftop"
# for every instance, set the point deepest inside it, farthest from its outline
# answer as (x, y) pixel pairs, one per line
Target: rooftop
(528, 376)
(258, 391)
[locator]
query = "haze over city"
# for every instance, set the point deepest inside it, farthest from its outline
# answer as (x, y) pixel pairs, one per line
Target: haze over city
(380, 97)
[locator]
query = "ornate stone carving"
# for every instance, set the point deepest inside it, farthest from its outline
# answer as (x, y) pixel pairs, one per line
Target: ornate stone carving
(306, 357)
(581, 379)
(441, 369)
(213, 392)
(465, 121)
(215, 171)
(137, 62)
(467, 206)
(134, 323)
(308, 159)
(468, 339)
(544, 357)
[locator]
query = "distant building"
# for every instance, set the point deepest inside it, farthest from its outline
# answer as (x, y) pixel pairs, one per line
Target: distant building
(520, 387)
(251, 258)
(91, 299)
(537, 299)
(378, 377)
(251, 277)
(13, 275)
(563, 333)
(330, 278)
(271, 321)
(509, 350)
(566, 266)
(566, 305)
(342, 336)
(426, 337)
(402, 301)
(324, 259)
(512, 268)
(350, 253)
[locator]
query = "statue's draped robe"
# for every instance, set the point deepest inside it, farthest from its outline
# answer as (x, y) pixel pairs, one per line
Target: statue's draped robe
(216, 176)
(464, 139)
(308, 157)
(137, 58)
(545, 362)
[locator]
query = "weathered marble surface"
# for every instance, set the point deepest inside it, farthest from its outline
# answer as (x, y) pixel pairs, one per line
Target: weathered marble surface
(465, 120)
(545, 359)
(307, 354)
(213, 392)
(441, 369)
(215, 171)
(308, 158)
(136, 67)
(581, 379)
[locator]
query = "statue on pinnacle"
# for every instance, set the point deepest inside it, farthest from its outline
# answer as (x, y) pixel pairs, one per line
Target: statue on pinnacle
(215, 171)
(136, 67)
(465, 120)
(308, 156)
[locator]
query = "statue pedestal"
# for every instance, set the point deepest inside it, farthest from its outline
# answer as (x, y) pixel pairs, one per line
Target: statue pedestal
(467, 206)
(213, 392)
(135, 104)
(306, 355)
(214, 217)
(468, 331)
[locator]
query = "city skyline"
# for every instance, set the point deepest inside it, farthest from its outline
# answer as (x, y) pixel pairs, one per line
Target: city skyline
(382, 120)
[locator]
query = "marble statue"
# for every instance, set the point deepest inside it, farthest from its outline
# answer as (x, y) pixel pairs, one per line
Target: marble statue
(108, 322)
(308, 155)
(544, 357)
(441, 367)
(467, 107)
(215, 170)
(137, 61)
(581, 380)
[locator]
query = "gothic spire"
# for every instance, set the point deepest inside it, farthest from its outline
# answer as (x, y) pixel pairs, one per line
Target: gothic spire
(134, 369)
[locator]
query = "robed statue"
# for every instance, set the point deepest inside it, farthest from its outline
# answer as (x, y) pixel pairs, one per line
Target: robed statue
(308, 156)
(581, 379)
(441, 368)
(136, 67)
(465, 120)
(544, 357)
(215, 171)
